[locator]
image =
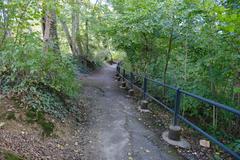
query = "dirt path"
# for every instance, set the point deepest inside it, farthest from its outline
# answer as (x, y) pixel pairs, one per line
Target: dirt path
(115, 130)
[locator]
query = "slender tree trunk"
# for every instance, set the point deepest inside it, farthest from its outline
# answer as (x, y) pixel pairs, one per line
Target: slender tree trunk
(214, 94)
(145, 52)
(76, 39)
(75, 30)
(69, 38)
(79, 41)
(87, 38)
(167, 60)
(237, 85)
(5, 26)
(186, 61)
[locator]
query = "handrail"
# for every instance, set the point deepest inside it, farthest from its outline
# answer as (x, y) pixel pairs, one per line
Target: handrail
(162, 84)
(176, 109)
(209, 101)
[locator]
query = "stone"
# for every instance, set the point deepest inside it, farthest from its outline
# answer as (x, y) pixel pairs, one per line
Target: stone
(76, 151)
(143, 110)
(204, 143)
(147, 151)
(131, 92)
(2, 124)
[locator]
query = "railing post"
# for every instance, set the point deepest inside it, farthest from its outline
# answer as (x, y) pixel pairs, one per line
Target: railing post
(177, 107)
(144, 87)
(117, 70)
(124, 73)
(131, 91)
(131, 80)
(173, 135)
(119, 74)
(144, 102)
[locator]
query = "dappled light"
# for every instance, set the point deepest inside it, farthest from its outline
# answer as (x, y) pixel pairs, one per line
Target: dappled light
(119, 79)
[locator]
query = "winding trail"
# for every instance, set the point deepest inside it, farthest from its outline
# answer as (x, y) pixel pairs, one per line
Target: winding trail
(115, 131)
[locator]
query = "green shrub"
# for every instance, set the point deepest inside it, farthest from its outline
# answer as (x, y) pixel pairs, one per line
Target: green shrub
(35, 79)
(235, 145)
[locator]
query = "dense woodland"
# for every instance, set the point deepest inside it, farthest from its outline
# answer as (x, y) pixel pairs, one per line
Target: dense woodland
(193, 44)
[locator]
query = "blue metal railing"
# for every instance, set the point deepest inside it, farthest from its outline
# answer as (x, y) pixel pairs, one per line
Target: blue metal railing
(122, 72)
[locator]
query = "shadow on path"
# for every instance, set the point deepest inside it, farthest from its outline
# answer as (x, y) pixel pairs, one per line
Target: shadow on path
(115, 131)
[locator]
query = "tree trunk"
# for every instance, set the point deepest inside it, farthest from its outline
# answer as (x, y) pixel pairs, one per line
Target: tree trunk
(49, 27)
(6, 30)
(167, 60)
(186, 61)
(76, 31)
(69, 38)
(87, 38)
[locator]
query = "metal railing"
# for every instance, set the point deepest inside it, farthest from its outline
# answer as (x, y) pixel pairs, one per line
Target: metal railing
(176, 110)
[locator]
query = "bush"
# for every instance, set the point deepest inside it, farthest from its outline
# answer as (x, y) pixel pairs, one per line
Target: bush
(35, 79)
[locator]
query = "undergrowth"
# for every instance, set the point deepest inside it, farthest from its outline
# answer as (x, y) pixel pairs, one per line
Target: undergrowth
(34, 116)
(9, 156)
(37, 80)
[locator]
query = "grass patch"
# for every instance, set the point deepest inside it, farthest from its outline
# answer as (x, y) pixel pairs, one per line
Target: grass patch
(34, 116)
(47, 128)
(9, 156)
(11, 116)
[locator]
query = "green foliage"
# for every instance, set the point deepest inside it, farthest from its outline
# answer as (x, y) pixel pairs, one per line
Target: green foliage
(47, 128)
(36, 116)
(10, 156)
(118, 55)
(236, 145)
(11, 115)
(193, 44)
(38, 80)
(190, 44)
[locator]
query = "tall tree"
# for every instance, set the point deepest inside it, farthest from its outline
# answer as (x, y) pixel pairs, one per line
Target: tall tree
(49, 27)
(4, 21)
